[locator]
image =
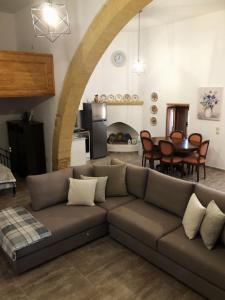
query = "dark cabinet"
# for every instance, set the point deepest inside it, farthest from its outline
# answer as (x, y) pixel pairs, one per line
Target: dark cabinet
(26, 140)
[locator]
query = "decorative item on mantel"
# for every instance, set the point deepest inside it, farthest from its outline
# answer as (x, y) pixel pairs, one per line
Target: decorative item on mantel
(50, 20)
(210, 103)
(119, 99)
(96, 99)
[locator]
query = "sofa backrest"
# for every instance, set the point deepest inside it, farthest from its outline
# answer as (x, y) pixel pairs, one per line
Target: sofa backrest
(49, 189)
(206, 194)
(116, 182)
(168, 193)
(86, 170)
(136, 178)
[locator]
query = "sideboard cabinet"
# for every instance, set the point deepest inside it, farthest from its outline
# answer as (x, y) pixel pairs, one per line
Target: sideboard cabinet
(26, 140)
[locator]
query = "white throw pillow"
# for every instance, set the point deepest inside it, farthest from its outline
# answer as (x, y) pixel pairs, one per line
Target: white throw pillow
(81, 192)
(193, 217)
(212, 225)
(100, 187)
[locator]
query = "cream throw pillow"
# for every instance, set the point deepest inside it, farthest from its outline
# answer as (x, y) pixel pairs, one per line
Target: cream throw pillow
(100, 187)
(193, 217)
(212, 225)
(81, 192)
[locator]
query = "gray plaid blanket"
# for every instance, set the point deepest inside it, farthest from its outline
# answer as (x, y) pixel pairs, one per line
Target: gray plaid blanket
(19, 229)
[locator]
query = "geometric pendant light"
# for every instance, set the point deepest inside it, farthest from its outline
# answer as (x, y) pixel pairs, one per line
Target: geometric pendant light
(50, 20)
(139, 66)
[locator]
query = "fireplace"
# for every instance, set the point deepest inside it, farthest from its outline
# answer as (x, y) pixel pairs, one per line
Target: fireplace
(124, 120)
(122, 138)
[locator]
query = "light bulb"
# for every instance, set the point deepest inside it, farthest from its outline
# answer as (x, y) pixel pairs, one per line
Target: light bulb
(138, 67)
(50, 15)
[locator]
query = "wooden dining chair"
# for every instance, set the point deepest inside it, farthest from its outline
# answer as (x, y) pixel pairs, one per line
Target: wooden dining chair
(177, 134)
(195, 138)
(198, 158)
(149, 153)
(168, 157)
(147, 134)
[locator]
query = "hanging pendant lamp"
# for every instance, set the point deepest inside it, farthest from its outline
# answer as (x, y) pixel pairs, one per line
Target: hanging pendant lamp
(139, 66)
(50, 20)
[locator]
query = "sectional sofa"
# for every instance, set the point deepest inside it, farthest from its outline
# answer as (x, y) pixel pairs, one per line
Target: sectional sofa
(147, 219)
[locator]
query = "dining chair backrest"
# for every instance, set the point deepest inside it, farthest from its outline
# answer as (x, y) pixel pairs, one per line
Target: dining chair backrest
(195, 138)
(145, 133)
(203, 149)
(177, 134)
(166, 148)
(147, 144)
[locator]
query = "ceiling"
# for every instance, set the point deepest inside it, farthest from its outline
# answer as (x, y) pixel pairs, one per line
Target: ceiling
(12, 6)
(168, 11)
(157, 13)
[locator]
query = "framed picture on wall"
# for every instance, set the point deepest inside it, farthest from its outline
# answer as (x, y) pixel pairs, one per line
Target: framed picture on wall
(210, 103)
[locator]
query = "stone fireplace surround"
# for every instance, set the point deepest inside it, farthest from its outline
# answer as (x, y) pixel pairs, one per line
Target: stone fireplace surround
(124, 119)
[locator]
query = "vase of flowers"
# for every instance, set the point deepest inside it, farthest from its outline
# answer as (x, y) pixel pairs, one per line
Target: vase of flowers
(208, 112)
(209, 100)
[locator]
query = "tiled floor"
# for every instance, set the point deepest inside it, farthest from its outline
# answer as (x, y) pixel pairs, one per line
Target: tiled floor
(103, 269)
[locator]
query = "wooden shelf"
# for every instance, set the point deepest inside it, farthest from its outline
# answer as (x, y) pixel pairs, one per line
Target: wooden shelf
(24, 74)
(125, 102)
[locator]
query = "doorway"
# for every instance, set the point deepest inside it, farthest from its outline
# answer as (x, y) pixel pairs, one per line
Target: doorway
(177, 118)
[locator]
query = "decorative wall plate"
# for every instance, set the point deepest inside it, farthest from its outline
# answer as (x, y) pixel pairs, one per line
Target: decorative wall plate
(154, 97)
(153, 121)
(135, 97)
(127, 97)
(111, 97)
(154, 109)
(103, 97)
(119, 97)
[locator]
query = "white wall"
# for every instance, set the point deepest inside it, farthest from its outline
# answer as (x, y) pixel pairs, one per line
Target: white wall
(7, 32)
(109, 79)
(182, 57)
(7, 42)
(179, 57)
(81, 13)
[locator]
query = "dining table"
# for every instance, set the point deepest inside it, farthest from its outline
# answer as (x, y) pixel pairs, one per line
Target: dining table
(180, 145)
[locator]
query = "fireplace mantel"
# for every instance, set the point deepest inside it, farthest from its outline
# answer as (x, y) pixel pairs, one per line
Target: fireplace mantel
(124, 102)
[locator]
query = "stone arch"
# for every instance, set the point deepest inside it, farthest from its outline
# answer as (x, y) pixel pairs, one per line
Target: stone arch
(113, 16)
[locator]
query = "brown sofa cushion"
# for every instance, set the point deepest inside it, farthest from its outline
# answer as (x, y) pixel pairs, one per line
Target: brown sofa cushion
(193, 255)
(116, 183)
(146, 222)
(86, 170)
(113, 202)
(136, 178)
(65, 221)
(49, 189)
(206, 194)
(169, 193)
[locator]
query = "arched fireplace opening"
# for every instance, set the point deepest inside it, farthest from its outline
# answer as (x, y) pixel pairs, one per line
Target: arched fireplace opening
(121, 137)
